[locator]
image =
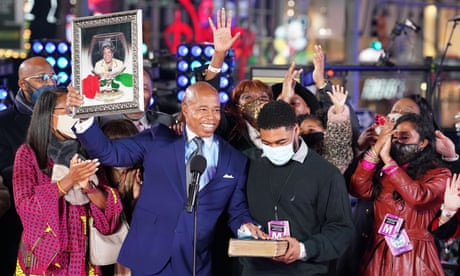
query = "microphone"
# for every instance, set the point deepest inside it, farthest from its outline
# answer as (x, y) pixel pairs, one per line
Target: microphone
(455, 18)
(197, 167)
(411, 25)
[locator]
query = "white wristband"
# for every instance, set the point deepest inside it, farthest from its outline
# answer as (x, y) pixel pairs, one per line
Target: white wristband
(451, 159)
(214, 69)
(447, 214)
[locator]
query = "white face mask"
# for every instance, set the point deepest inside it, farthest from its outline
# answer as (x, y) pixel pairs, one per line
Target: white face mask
(64, 125)
(279, 155)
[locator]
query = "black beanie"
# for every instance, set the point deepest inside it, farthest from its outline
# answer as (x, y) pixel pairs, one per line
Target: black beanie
(308, 96)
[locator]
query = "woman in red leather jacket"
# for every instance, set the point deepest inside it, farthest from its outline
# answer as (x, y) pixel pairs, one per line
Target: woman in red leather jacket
(405, 178)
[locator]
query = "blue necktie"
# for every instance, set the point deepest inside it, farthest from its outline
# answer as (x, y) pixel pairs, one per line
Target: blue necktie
(194, 148)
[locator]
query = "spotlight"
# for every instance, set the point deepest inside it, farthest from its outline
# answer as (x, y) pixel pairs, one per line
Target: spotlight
(224, 82)
(62, 48)
(223, 97)
(3, 94)
(144, 49)
(196, 50)
(2, 106)
(182, 50)
(50, 47)
(62, 62)
(180, 95)
(225, 67)
(182, 80)
(37, 47)
(195, 64)
(51, 61)
(182, 66)
(208, 51)
(63, 77)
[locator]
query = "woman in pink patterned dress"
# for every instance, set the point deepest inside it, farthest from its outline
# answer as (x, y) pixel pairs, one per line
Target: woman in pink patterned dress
(55, 192)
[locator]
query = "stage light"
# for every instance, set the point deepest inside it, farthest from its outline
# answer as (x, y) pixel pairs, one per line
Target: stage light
(182, 80)
(62, 62)
(51, 61)
(330, 73)
(3, 94)
(195, 64)
(224, 68)
(182, 66)
(223, 97)
(144, 49)
(50, 47)
(63, 77)
(37, 47)
(62, 48)
(377, 45)
(196, 50)
(192, 80)
(2, 106)
(180, 95)
(208, 51)
(182, 50)
(224, 82)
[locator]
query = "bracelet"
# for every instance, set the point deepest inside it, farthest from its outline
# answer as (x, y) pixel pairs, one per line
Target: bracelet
(61, 190)
(214, 69)
(450, 159)
(447, 214)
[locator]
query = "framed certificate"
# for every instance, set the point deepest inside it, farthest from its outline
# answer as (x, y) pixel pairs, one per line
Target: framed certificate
(107, 63)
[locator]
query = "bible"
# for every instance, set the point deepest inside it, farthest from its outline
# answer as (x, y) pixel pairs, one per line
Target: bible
(257, 248)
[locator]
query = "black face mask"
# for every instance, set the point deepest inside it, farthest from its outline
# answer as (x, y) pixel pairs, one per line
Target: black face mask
(314, 140)
(403, 153)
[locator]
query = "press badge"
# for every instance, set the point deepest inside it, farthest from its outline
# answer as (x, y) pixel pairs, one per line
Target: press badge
(391, 225)
(399, 244)
(278, 229)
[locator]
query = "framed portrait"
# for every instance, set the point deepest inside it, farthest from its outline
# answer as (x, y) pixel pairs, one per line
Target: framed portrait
(107, 63)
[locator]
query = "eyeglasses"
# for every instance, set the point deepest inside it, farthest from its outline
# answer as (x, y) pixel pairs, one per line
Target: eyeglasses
(43, 78)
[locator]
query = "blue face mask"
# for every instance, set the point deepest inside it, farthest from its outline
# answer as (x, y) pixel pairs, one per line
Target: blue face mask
(279, 155)
(39, 91)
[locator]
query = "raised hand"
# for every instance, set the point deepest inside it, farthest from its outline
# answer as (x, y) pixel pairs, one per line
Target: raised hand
(444, 146)
(318, 62)
(222, 36)
(338, 97)
(289, 83)
(452, 194)
(81, 170)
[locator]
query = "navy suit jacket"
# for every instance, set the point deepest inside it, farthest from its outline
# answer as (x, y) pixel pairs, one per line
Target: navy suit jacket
(161, 230)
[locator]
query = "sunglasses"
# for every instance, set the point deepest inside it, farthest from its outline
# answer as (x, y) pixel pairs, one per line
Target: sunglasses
(44, 78)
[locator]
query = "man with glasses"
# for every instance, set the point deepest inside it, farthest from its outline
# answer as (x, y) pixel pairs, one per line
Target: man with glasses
(34, 74)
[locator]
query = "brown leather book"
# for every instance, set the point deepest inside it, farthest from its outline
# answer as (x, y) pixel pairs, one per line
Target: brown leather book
(257, 248)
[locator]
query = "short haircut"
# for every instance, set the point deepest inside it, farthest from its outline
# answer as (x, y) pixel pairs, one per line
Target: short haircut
(276, 114)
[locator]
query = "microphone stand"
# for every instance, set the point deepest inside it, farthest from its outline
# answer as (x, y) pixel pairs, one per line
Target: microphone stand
(436, 82)
(195, 228)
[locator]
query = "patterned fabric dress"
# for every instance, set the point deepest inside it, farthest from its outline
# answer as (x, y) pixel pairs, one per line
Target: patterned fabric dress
(54, 230)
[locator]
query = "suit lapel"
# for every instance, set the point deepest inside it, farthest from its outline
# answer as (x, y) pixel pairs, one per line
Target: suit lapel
(179, 151)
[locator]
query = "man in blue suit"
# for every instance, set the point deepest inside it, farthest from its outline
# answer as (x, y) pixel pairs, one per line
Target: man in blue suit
(161, 234)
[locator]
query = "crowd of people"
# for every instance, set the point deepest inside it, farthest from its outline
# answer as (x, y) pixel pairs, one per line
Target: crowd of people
(282, 162)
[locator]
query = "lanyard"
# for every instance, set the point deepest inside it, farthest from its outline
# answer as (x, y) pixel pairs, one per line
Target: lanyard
(278, 198)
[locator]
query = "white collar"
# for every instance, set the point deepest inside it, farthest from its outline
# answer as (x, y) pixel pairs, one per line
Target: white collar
(190, 135)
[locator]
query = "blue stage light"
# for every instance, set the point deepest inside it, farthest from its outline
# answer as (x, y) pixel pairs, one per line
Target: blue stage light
(224, 82)
(62, 62)
(182, 65)
(37, 47)
(223, 97)
(196, 50)
(3, 94)
(144, 49)
(224, 68)
(50, 47)
(51, 61)
(63, 77)
(3, 106)
(192, 80)
(195, 64)
(152, 101)
(208, 51)
(62, 48)
(180, 95)
(182, 50)
(182, 80)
